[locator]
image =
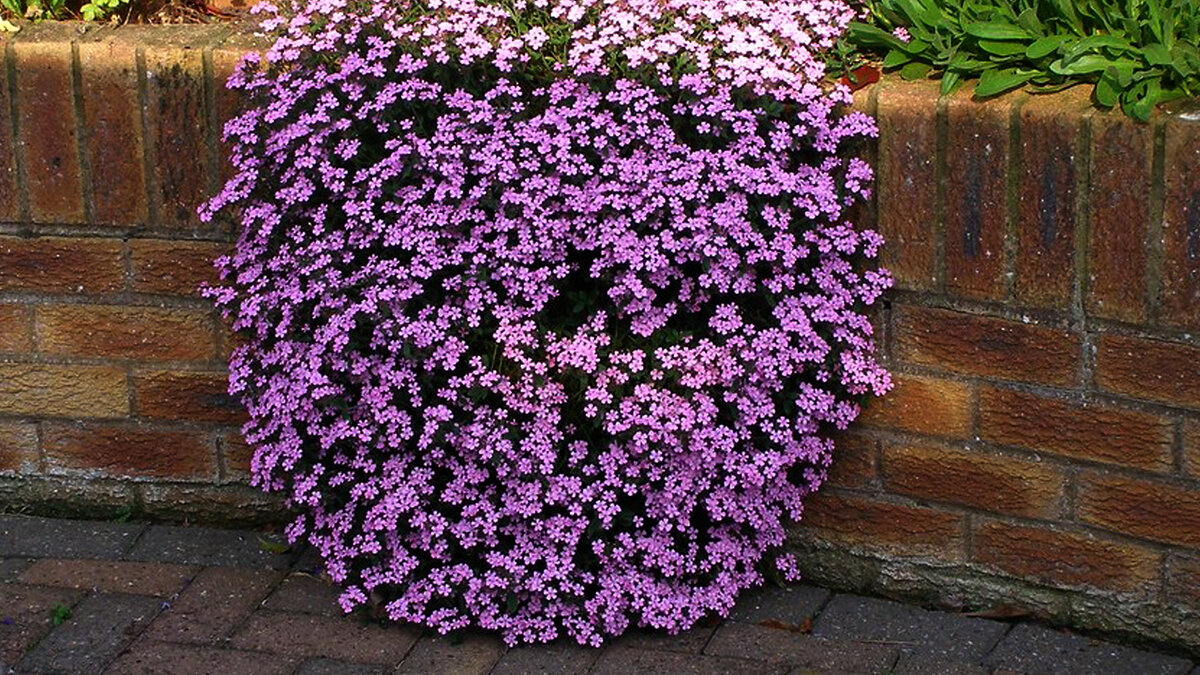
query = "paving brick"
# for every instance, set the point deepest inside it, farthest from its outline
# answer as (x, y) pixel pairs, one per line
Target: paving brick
(1068, 558)
(614, 661)
(45, 390)
(772, 645)
(559, 658)
(853, 460)
(1119, 215)
(928, 634)
(690, 641)
(870, 523)
(1046, 213)
(1183, 583)
(11, 568)
(474, 655)
(976, 201)
(207, 546)
(179, 115)
(306, 635)
(306, 594)
(46, 129)
(1155, 511)
(113, 119)
(16, 329)
(117, 331)
(792, 605)
(1154, 370)
(990, 482)
(1037, 650)
(49, 538)
(1082, 430)
(916, 665)
(906, 174)
(208, 609)
(187, 396)
(16, 639)
(331, 667)
(923, 405)
(10, 207)
(174, 267)
(986, 346)
(99, 629)
(158, 658)
(61, 265)
(127, 451)
(18, 447)
(111, 577)
(1179, 299)
(25, 604)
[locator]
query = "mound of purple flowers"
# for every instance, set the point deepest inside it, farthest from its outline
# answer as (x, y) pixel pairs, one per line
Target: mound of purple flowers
(549, 310)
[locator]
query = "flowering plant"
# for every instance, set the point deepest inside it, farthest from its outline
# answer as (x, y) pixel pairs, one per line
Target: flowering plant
(550, 306)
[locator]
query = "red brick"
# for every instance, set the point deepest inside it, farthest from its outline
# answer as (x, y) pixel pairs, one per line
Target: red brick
(229, 103)
(1046, 214)
(10, 205)
(174, 267)
(45, 390)
(237, 456)
(1184, 580)
(986, 346)
(922, 405)
(46, 128)
(1081, 430)
(128, 451)
(907, 182)
(31, 604)
(1068, 558)
(187, 396)
(307, 635)
(1138, 508)
(984, 481)
(16, 330)
(178, 119)
(61, 265)
(142, 333)
(110, 577)
(18, 447)
(1191, 448)
(976, 208)
(113, 119)
(1180, 298)
(853, 460)
(157, 658)
(472, 654)
(1119, 215)
(216, 601)
(305, 594)
(860, 521)
(1154, 370)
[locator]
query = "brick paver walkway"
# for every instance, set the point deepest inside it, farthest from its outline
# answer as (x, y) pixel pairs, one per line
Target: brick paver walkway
(91, 598)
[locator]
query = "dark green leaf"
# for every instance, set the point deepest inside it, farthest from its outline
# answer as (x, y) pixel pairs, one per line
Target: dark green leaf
(1088, 63)
(1028, 19)
(1045, 46)
(1002, 47)
(895, 58)
(951, 81)
(1156, 55)
(1107, 91)
(996, 81)
(915, 70)
(997, 31)
(1097, 42)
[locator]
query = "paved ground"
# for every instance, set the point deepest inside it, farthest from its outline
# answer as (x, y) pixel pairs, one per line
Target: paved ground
(91, 598)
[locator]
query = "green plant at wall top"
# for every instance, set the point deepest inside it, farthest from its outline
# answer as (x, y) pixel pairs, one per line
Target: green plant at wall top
(90, 10)
(1136, 53)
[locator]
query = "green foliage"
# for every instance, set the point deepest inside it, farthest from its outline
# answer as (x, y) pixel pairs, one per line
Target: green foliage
(59, 614)
(92, 10)
(1135, 53)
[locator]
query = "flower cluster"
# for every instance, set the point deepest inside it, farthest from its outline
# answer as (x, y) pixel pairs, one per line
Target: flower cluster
(547, 354)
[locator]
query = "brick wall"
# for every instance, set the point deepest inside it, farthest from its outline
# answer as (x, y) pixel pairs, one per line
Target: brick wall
(1041, 449)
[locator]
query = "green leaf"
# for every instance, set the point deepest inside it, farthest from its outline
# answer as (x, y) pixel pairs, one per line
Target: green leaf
(951, 81)
(895, 58)
(915, 70)
(996, 31)
(1098, 42)
(1043, 47)
(1107, 91)
(1002, 47)
(1088, 63)
(996, 81)
(1028, 19)
(1156, 55)
(276, 547)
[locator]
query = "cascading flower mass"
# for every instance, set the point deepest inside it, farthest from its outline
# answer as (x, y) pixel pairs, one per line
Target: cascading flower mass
(549, 308)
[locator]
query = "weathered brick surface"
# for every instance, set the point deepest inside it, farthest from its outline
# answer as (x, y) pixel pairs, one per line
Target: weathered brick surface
(158, 658)
(986, 346)
(615, 661)
(788, 605)
(215, 602)
(236, 455)
(1068, 557)
(169, 267)
(475, 654)
(27, 536)
(18, 447)
(907, 175)
(10, 203)
(176, 103)
(870, 523)
(1153, 370)
(307, 594)
(207, 546)
(1184, 581)
(306, 635)
(1078, 429)
(1031, 648)
(1119, 215)
(16, 329)
(1191, 448)
(46, 126)
(690, 641)
(113, 120)
(931, 634)
(1180, 297)
(99, 629)
(560, 658)
(976, 201)
(28, 604)
(133, 578)
(923, 405)
(62, 391)
(116, 331)
(1046, 212)
(128, 451)
(739, 640)
(984, 481)
(60, 265)
(853, 460)
(186, 395)
(1155, 511)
